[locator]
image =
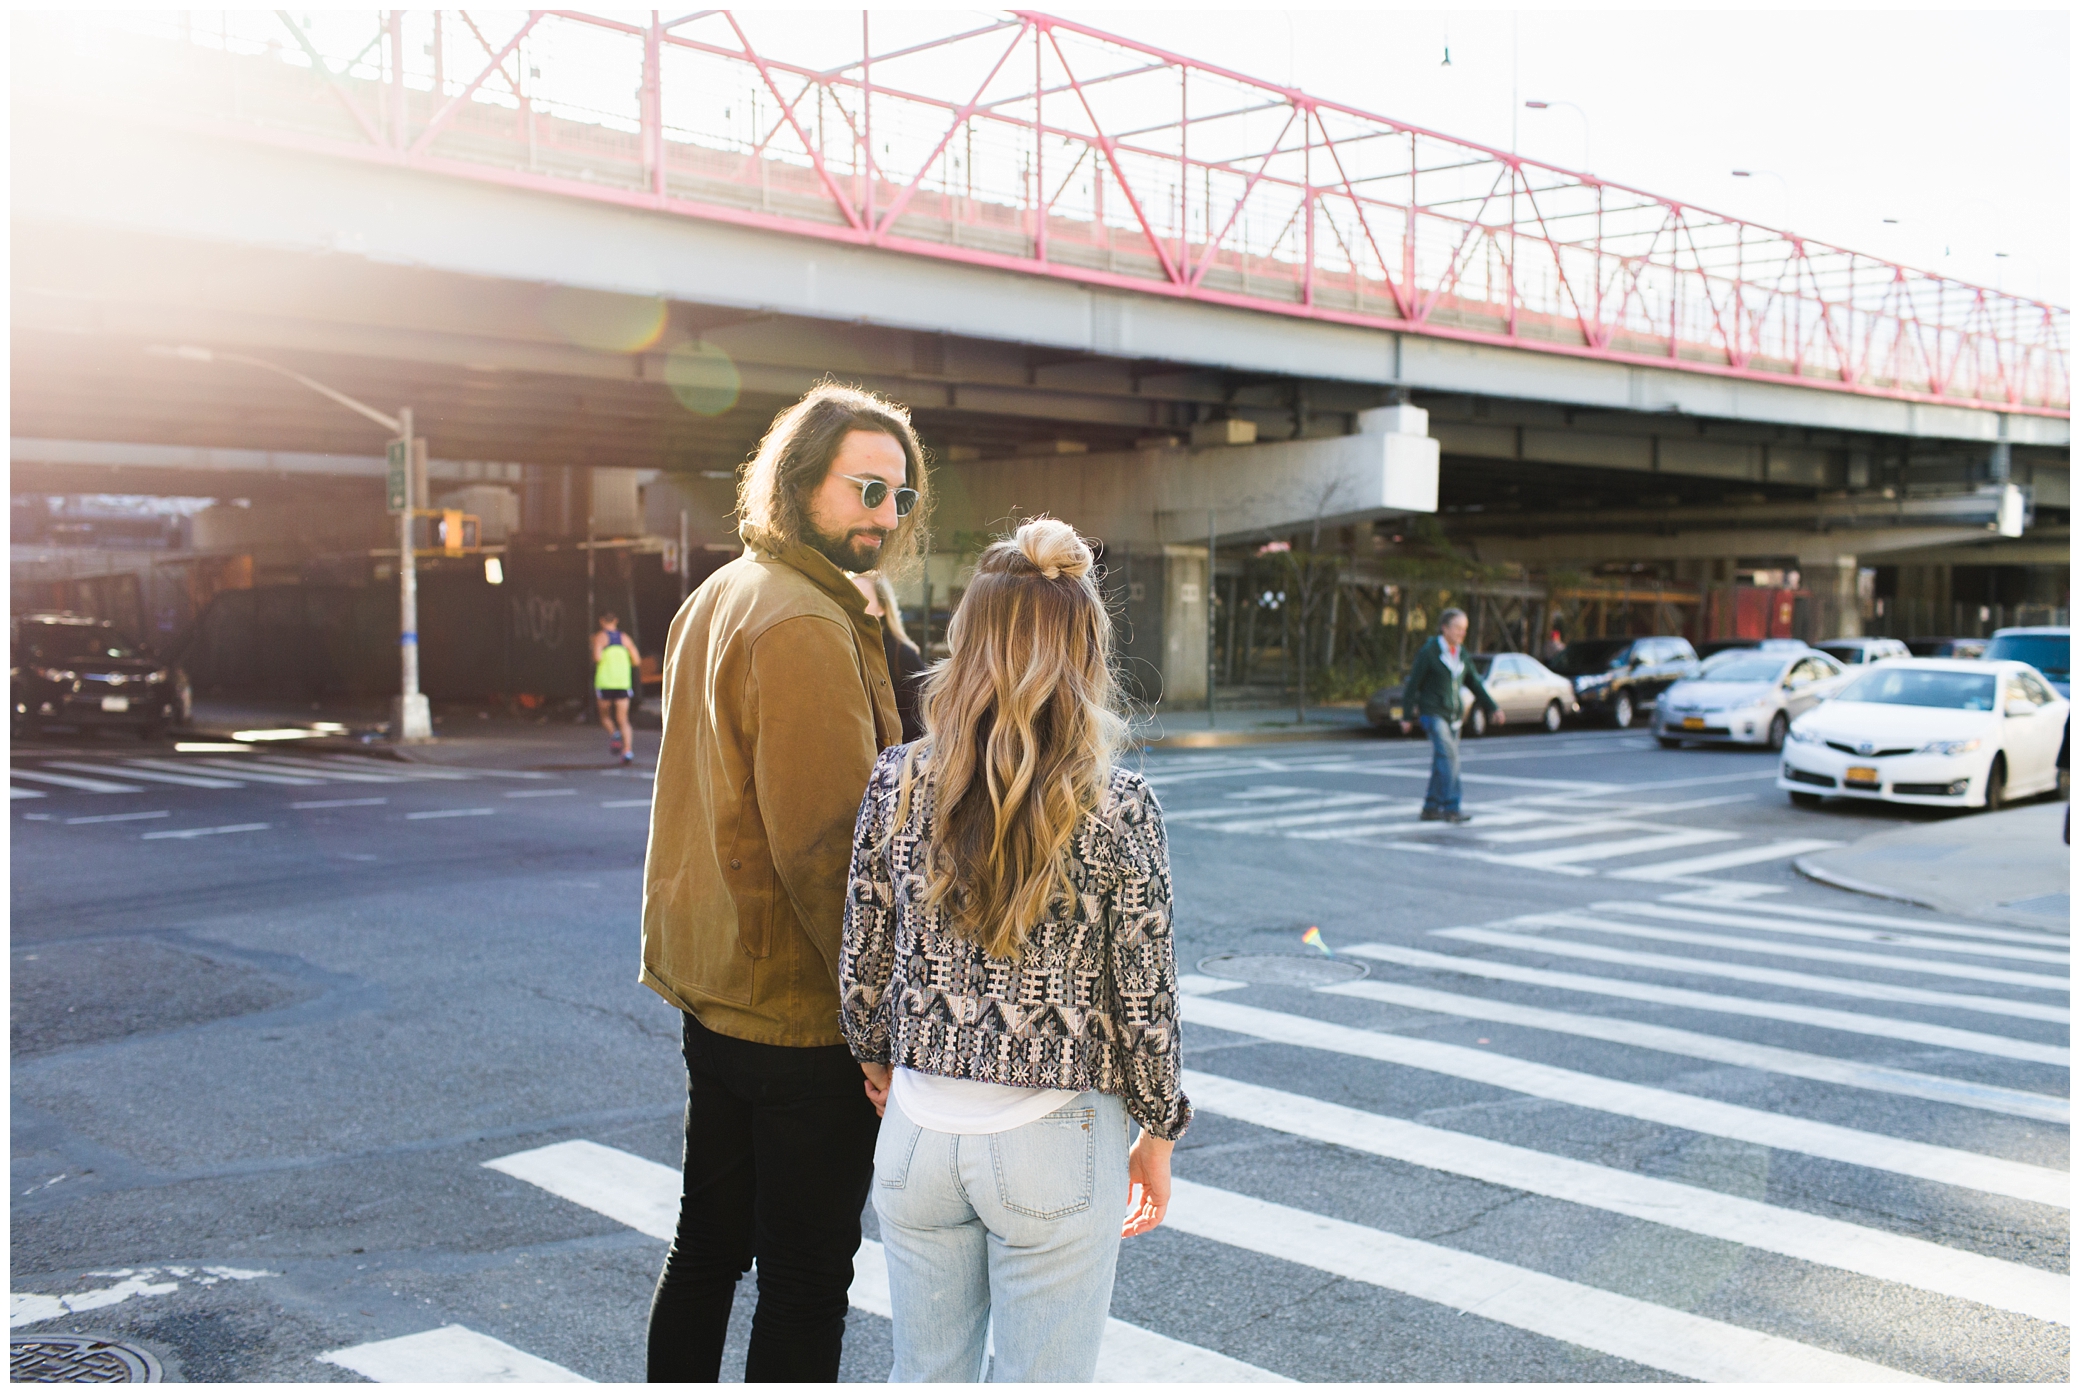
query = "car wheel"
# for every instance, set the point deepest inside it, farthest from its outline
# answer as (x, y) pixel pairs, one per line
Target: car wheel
(1621, 711)
(1778, 725)
(1997, 785)
(1553, 718)
(1477, 724)
(1805, 800)
(1669, 742)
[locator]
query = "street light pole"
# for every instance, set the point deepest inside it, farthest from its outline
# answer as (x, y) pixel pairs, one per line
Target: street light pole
(411, 720)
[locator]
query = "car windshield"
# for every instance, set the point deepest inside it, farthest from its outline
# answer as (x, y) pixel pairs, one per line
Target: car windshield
(1905, 686)
(1482, 664)
(1741, 665)
(65, 643)
(1589, 655)
(2050, 654)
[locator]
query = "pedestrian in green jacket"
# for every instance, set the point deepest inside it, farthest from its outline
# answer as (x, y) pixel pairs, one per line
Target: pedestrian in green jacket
(1433, 692)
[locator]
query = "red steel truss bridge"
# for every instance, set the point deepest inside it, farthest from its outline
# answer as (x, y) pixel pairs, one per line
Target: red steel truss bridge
(1037, 146)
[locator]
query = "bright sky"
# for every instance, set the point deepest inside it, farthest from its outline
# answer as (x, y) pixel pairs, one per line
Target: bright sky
(1957, 125)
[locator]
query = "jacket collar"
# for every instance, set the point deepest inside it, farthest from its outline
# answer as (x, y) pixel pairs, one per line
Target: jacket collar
(811, 563)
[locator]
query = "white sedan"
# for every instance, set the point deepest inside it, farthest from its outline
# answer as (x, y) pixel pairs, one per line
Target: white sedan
(1933, 731)
(1747, 696)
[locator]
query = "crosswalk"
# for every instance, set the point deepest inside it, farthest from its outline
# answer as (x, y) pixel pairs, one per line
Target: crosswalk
(42, 777)
(1489, 975)
(1567, 827)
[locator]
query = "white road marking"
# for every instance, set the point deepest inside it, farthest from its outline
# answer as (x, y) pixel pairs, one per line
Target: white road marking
(1607, 851)
(13, 793)
(1744, 972)
(449, 812)
(1889, 1257)
(2054, 946)
(1655, 1337)
(450, 1354)
(44, 776)
(1724, 860)
(1942, 1164)
(645, 1196)
(1489, 816)
(183, 833)
(1931, 967)
(626, 803)
(28, 1308)
(1591, 828)
(115, 817)
(445, 773)
(342, 803)
(1720, 1049)
(543, 793)
(331, 773)
(1400, 808)
(1218, 813)
(1826, 1017)
(131, 770)
(1198, 984)
(243, 768)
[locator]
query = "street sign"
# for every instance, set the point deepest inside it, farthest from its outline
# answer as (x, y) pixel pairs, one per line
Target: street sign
(399, 487)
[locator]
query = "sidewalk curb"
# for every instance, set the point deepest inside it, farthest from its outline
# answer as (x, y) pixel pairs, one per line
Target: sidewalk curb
(1805, 867)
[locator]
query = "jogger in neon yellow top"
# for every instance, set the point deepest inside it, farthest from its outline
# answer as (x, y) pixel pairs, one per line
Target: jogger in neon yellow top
(614, 661)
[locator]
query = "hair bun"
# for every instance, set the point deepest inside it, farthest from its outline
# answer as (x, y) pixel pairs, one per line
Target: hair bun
(1054, 549)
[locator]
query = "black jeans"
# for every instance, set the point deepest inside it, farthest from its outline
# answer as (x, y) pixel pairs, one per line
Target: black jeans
(779, 1155)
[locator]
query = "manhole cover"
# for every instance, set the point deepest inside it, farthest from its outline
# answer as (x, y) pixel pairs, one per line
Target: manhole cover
(78, 1359)
(1282, 969)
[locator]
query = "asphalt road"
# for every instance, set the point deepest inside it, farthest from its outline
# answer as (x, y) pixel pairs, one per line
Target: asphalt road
(339, 1068)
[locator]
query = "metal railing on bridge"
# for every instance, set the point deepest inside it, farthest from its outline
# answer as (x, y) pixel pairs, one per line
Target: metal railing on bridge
(1029, 143)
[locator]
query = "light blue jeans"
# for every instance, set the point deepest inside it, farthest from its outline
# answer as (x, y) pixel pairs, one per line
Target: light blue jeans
(1442, 796)
(1008, 1239)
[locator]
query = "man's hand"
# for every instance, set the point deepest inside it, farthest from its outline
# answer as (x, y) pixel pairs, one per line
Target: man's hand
(877, 1086)
(1499, 718)
(1148, 1173)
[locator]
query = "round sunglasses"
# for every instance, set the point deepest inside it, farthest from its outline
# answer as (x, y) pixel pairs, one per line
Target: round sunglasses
(874, 492)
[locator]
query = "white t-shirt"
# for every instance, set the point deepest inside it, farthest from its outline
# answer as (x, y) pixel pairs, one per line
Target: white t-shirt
(968, 1108)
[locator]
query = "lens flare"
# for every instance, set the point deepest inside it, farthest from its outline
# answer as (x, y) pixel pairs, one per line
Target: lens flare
(703, 378)
(601, 320)
(1313, 939)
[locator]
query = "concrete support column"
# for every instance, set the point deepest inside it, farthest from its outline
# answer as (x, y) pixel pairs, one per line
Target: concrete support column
(1832, 580)
(1186, 591)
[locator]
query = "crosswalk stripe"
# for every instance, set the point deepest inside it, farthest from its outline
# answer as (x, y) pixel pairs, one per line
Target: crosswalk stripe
(148, 774)
(1504, 817)
(44, 776)
(245, 770)
(645, 1196)
(1310, 804)
(1842, 933)
(1942, 1164)
(344, 765)
(1397, 809)
(1781, 977)
(1655, 1337)
(415, 771)
(1826, 1017)
(1592, 828)
(1596, 923)
(1813, 1238)
(1893, 921)
(1850, 1073)
(1610, 851)
(338, 775)
(1724, 860)
(185, 833)
(13, 793)
(450, 1354)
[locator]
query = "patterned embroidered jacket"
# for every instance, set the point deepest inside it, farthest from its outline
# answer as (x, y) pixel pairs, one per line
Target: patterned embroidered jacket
(1090, 1004)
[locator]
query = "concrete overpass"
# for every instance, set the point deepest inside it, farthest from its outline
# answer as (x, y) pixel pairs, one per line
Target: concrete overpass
(640, 291)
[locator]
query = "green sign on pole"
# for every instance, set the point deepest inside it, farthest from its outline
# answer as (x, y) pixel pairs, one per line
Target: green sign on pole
(400, 482)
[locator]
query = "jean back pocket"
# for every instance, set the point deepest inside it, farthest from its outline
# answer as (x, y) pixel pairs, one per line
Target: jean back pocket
(893, 1150)
(1046, 1169)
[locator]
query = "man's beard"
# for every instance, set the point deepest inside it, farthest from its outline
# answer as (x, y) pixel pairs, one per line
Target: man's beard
(846, 553)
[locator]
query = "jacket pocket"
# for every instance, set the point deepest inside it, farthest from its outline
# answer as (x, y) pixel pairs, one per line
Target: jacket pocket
(1046, 1169)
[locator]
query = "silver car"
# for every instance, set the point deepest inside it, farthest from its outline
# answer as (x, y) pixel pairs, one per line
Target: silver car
(1749, 699)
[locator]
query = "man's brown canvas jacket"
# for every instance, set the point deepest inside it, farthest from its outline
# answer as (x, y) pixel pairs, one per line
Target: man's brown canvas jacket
(776, 702)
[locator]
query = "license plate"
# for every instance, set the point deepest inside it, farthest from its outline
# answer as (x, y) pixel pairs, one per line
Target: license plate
(1693, 723)
(1861, 774)
(115, 703)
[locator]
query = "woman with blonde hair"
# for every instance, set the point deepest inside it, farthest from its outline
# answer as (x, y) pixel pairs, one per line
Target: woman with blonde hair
(1008, 982)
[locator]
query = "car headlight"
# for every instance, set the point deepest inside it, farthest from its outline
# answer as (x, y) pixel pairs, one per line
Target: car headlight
(55, 674)
(1948, 747)
(159, 676)
(1807, 737)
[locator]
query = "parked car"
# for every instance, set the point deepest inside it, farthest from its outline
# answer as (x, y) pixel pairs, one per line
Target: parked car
(1616, 679)
(2048, 649)
(69, 670)
(1712, 648)
(1749, 647)
(1854, 652)
(1526, 691)
(1947, 647)
(1747, 698)
(1940, 732)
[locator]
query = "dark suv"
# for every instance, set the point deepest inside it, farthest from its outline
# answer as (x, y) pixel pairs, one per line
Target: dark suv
(64, 669)
(1615, 679)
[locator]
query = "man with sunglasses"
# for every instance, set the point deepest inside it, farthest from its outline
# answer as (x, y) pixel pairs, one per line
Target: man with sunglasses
(777, 699)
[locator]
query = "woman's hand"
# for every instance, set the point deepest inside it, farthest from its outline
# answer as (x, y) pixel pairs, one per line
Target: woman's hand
(877, 1089)
(1148, 1185)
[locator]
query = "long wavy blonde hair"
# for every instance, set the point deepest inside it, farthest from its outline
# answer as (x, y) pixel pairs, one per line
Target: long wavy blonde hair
(1022, 725)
